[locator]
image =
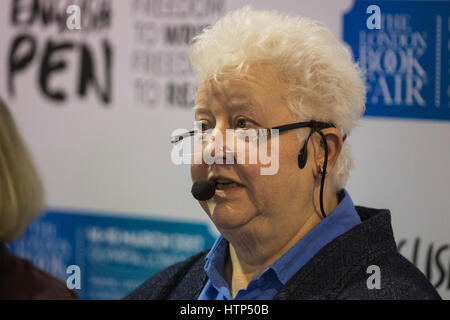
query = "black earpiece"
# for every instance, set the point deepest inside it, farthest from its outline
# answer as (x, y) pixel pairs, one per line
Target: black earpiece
(303, 154)
(302, 157)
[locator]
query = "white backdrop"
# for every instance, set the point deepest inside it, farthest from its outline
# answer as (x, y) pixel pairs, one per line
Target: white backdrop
(115, 157)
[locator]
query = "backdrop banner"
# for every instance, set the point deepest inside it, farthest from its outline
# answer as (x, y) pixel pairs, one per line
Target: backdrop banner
(97, 87)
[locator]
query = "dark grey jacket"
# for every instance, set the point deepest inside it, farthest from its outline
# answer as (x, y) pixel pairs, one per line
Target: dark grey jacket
(337, 271)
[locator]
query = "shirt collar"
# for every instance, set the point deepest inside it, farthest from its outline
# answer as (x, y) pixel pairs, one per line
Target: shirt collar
(215, 263)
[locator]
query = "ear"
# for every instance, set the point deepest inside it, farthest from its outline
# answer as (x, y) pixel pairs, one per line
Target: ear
(334, 141)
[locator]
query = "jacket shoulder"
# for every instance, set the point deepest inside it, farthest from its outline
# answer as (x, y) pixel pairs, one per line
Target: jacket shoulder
(161, 285)
(399, 280)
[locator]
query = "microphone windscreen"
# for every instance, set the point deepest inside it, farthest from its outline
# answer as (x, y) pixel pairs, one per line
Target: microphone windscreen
(203, 190)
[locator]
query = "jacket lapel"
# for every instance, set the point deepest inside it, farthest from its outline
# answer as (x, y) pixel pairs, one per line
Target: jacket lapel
(192, 283)
(333, 267)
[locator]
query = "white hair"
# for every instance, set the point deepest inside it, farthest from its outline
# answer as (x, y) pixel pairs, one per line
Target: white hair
(323, 82)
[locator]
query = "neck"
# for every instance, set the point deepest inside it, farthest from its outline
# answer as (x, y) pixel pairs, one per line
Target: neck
(250, 254)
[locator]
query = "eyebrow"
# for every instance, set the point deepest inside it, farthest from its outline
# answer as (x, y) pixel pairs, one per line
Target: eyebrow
(200, 107)
(232, 105)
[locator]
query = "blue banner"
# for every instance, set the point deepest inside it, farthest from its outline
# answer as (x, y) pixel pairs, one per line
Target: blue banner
(114, 254)
(403, 48)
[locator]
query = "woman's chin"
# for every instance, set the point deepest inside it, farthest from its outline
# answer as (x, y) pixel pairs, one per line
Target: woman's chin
(226, 216)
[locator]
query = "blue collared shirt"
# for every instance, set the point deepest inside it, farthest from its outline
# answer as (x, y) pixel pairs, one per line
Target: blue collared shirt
(267, 284)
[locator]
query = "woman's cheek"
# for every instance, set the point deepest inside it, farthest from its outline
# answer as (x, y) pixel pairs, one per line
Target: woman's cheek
(255, 183)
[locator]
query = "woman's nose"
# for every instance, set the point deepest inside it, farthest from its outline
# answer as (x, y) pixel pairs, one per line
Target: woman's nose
(216, 146)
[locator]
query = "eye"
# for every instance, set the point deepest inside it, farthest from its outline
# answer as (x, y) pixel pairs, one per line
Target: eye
(202, 125)
(243, 123)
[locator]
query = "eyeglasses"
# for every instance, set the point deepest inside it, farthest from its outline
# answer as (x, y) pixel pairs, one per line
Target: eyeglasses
(252, 135)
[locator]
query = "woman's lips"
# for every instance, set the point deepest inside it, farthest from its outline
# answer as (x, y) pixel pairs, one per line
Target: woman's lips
(225, 187)
(223, 193)
(228, 185)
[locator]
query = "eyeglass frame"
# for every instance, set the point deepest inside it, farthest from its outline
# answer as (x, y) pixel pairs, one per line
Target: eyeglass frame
(314, 125)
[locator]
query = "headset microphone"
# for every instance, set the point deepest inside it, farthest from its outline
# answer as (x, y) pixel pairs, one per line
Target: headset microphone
(203, 190)
(303, 156)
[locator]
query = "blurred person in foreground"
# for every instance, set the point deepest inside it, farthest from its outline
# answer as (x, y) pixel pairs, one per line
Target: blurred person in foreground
(21, 200)
(295, 234)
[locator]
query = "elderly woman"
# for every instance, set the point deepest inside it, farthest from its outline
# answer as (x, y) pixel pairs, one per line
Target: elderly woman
(21, 200)
(294, 234)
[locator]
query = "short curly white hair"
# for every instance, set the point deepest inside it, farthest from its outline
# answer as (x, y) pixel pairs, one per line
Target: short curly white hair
(324, 83)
